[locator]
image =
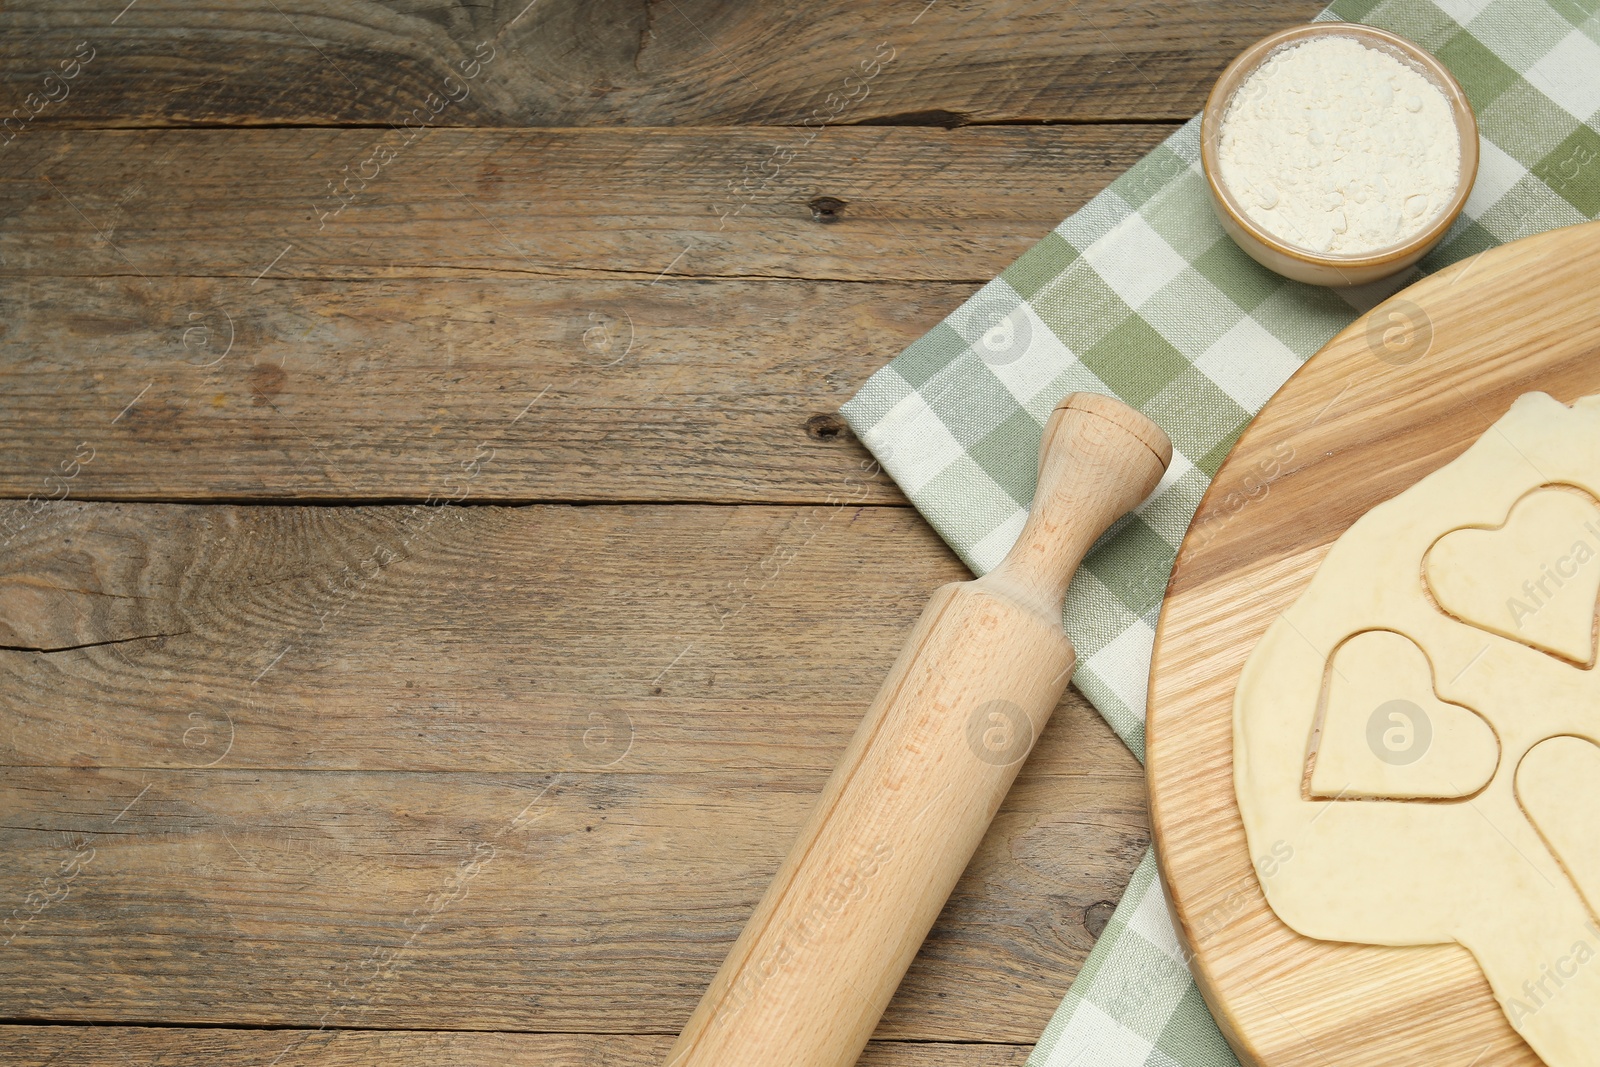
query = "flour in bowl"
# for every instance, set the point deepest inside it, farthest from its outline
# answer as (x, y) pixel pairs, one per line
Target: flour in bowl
(1339, 148)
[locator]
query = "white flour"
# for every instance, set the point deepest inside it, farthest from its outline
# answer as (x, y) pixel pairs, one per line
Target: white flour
(1336, 147)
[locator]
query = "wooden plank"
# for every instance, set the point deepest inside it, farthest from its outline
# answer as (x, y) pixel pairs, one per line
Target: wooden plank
(610, 667)
(39, 1046)
(462, 639)
(566, 63)
(585, 901)
(879, 204)
(480, 389)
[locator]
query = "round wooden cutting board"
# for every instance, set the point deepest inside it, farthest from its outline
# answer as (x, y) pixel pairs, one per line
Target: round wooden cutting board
(1401, 392)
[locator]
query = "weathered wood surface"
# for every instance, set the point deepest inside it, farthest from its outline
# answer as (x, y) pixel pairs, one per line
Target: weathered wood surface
(572, 274)
(44, 1046)
(598, 901)
(458, 639)
(860, 205)
(301, 741)
(396, 390)
(633, 63)
(472, 787)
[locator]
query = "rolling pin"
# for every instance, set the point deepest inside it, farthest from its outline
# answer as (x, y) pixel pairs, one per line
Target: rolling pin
(985, 665)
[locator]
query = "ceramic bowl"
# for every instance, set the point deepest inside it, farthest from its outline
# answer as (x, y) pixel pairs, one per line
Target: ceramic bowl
(1321, 268)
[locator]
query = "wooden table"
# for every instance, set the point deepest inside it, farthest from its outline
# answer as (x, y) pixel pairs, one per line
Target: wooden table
(301, 767)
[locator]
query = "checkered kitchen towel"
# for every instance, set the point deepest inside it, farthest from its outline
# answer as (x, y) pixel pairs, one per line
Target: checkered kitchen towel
(1141, 295)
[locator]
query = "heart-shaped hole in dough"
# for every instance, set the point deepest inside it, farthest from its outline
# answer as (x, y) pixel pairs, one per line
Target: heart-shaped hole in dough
(1534, 580)
(1384, 734)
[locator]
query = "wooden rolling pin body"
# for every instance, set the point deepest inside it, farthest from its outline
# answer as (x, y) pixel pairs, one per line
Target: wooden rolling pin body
(913, 794)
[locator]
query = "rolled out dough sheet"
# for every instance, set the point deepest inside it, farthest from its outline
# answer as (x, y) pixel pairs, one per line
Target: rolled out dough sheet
(1422, 727)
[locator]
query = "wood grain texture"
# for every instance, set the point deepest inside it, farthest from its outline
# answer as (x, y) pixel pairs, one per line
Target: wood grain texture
(628, 62)
(298, 857)
(1367, 417)
(860, 205)
(144, 255)
(453, 639)
(334, 707)
(483, 390)
(42, 1046)
(598, 901)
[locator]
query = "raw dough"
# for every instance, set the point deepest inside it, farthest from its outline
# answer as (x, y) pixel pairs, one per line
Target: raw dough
(1383, 732)
(1506, 863)
(1533, 579)
(1559, 786)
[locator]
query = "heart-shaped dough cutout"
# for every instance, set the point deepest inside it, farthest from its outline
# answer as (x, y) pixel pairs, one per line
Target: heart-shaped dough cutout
(1558, 786)
(1384, 733)
(1534, 580)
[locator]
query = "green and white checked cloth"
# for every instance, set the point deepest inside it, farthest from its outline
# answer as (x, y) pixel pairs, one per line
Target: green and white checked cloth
(1142, 296)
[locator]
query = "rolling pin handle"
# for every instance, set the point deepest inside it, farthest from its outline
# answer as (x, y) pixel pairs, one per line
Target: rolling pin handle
(1098, 458)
